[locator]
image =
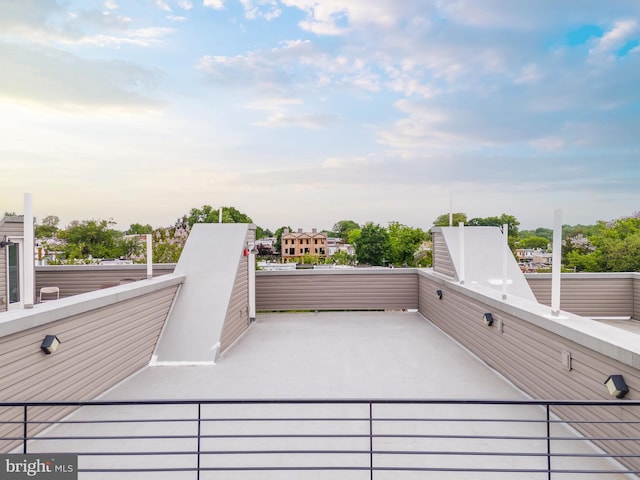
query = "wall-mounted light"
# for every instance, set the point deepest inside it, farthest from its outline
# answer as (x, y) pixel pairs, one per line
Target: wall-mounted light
(616, 386)
(6, 242)
(439, 294)
(487, 318)
(50, 344)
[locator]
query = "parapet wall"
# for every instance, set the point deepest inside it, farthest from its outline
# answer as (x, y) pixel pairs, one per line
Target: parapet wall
(105, 337)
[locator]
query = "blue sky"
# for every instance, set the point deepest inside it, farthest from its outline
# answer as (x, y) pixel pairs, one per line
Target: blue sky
(304, 113)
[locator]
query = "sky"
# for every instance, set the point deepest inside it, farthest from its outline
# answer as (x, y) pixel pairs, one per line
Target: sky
(308, 112)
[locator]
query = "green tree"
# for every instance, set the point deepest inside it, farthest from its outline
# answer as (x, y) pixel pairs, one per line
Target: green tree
(354, 236)
(207, 214)
(533, 242)
(168, 243)
(94, 239)
(139, 229)
(404, 243)
(612, 247)
(373, 245)
(343, 258)
(443, 220)
(343, 227)
(278, 234)
(503, 219)
(48, 228)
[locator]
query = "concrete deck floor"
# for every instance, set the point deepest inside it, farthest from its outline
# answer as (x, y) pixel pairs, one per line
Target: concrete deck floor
(349, 355)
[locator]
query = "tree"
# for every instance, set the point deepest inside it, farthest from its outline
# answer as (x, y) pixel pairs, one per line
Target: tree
(612, 247)
(404, 243)
(533, 242)
(343, 258)
(343, 227)
(168, 243)
(139, 229)
(503, 219)
(278, 243)
(373, 245)
(48, 228)
(94, 239)
(207, 214)
(443, 220)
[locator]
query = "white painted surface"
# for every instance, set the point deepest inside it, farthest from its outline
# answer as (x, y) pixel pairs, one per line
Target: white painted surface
(483, 252)
(210, 261)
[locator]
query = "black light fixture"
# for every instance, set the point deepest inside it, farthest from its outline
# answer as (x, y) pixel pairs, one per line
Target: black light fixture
(50, 344)
(439, 294)
(6, 242)
(488, 319)
(617, 386)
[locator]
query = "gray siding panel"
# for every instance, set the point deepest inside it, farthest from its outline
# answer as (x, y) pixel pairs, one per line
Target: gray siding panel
(237, 319)
(99, 349)
(589, 295)
(77, 279)
(442, 262)
(319, 290)
(531, 357)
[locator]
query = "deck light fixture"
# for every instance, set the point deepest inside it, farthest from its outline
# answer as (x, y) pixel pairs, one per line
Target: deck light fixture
(439, 294)
(617, 386)
(50, 344)
(488, 319)
(6, 242)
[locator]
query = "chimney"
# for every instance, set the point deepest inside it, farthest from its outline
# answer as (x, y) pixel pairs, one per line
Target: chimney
(314, 230)
(285, 231)
(299, 230)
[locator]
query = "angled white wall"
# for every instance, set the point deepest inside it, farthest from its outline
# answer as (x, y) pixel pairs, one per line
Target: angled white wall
(484, 253)
(210, 262)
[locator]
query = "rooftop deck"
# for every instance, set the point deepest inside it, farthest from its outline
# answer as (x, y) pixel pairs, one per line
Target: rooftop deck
(325, 356)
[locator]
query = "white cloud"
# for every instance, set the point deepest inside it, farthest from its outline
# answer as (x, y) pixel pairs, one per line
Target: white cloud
(38, 78)
(620, 33)
(161, 4)
(185, 4)
(267, 9)
(528, 74)
(111, 5)
(215, 4)
(313, 120)
(176, 18)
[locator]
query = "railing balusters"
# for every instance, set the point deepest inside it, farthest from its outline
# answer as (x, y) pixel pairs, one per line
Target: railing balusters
(25, 428)
(370, 441)
(199, 437)
(387, 450)
(548, 442)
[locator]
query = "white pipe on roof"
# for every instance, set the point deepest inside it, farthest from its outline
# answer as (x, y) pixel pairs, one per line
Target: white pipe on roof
(28, 261)
(505, 259)
(556, 262)
(461, 233)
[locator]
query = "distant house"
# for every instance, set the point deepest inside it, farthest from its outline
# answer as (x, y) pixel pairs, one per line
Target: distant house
(335, 245)
(298, 244)
(266, 245)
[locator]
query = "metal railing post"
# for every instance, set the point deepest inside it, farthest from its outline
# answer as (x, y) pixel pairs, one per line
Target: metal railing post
(370, 440)
(25, 429)
(548, 444)
(199, 431)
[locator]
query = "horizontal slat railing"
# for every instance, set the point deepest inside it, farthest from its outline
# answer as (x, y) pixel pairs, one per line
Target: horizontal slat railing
(346, 438)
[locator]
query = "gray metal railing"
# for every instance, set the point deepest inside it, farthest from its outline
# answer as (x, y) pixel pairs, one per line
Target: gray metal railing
(353, 438)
